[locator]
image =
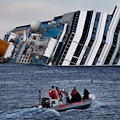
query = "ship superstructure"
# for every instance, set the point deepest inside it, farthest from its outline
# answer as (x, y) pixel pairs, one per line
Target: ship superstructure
(76, 38)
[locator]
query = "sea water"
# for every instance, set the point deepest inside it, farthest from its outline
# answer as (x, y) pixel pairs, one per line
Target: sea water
(20, 84)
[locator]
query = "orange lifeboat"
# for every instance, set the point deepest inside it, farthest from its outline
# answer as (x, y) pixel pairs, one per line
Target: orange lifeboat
(3, 47)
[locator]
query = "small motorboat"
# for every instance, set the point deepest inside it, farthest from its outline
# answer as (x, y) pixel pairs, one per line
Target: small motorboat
(60, 105)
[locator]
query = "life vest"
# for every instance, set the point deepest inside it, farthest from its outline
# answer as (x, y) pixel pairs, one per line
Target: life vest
(52, 94)
(58, 93)
(73, 92)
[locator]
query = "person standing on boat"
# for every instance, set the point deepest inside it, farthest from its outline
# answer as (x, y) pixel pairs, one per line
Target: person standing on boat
(52, 92)
(58, 93)
(65, 96)
(78, 96)
(86, 94)
(73, 94)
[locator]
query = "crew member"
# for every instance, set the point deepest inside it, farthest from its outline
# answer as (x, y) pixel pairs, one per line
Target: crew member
(86, 94)
(73, 94)
(65, 94)
(52, 92)
(58, 93)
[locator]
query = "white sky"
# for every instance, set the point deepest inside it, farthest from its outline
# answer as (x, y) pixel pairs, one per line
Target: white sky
(15, 13)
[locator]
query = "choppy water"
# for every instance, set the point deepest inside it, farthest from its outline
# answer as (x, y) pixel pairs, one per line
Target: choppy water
(19, 86)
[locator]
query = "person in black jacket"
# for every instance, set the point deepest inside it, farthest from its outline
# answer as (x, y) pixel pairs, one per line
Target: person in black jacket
(78, 96)
(86, 94)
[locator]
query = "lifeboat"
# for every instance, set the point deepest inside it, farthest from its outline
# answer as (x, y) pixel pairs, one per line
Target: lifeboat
(3, 47)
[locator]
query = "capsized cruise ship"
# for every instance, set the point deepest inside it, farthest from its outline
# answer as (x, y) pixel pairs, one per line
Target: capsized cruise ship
(75, 38)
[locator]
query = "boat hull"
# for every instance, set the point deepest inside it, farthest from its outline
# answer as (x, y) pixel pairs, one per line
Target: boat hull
(76, 105)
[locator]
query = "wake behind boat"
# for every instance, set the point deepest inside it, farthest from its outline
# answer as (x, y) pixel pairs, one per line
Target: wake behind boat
(62, 103)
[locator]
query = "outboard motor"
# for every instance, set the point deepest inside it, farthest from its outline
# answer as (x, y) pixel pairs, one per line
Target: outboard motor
(45, 102)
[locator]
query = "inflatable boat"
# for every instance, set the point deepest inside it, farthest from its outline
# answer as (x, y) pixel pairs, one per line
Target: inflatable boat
(62, 104)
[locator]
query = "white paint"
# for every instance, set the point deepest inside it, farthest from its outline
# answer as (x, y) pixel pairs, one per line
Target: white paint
(61, 37)
(98, 39)
(116, 50)
(66, 62)
(9, 50)
(118, 62)
(80, 26)
(50, 48)
(110, 36)
(24, 36)
(20, 54)
(12, 36)
(63, 32)
(76, 38)
(88, 38)
(70, 53)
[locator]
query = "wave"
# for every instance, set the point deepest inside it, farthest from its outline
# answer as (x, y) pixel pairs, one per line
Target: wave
(32, 113)
(96, 104)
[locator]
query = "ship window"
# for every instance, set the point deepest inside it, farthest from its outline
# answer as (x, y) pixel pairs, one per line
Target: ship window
(72, 35)
(116, 31)
(93, 32)
(92, 38)
(62, 60)
(69, 42)
(78, 50)
(94, 28)
(85, 56)
(65, 52)
(89, 45)
(104, 37)
(107, 62)
(95, 61)
(110, 55)
(103, 42)
(113, 47)
(68, 45)
(116, 60)
(60, 63)
(74, 60)
(114, 42)
(63, 56)
(66, 49)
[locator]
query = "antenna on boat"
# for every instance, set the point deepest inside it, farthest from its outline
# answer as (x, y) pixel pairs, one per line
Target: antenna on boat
(40, 96)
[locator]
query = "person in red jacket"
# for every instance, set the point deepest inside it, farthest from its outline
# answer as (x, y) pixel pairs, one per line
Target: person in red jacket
(52, 92)
(58, 93)
(73, 94)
